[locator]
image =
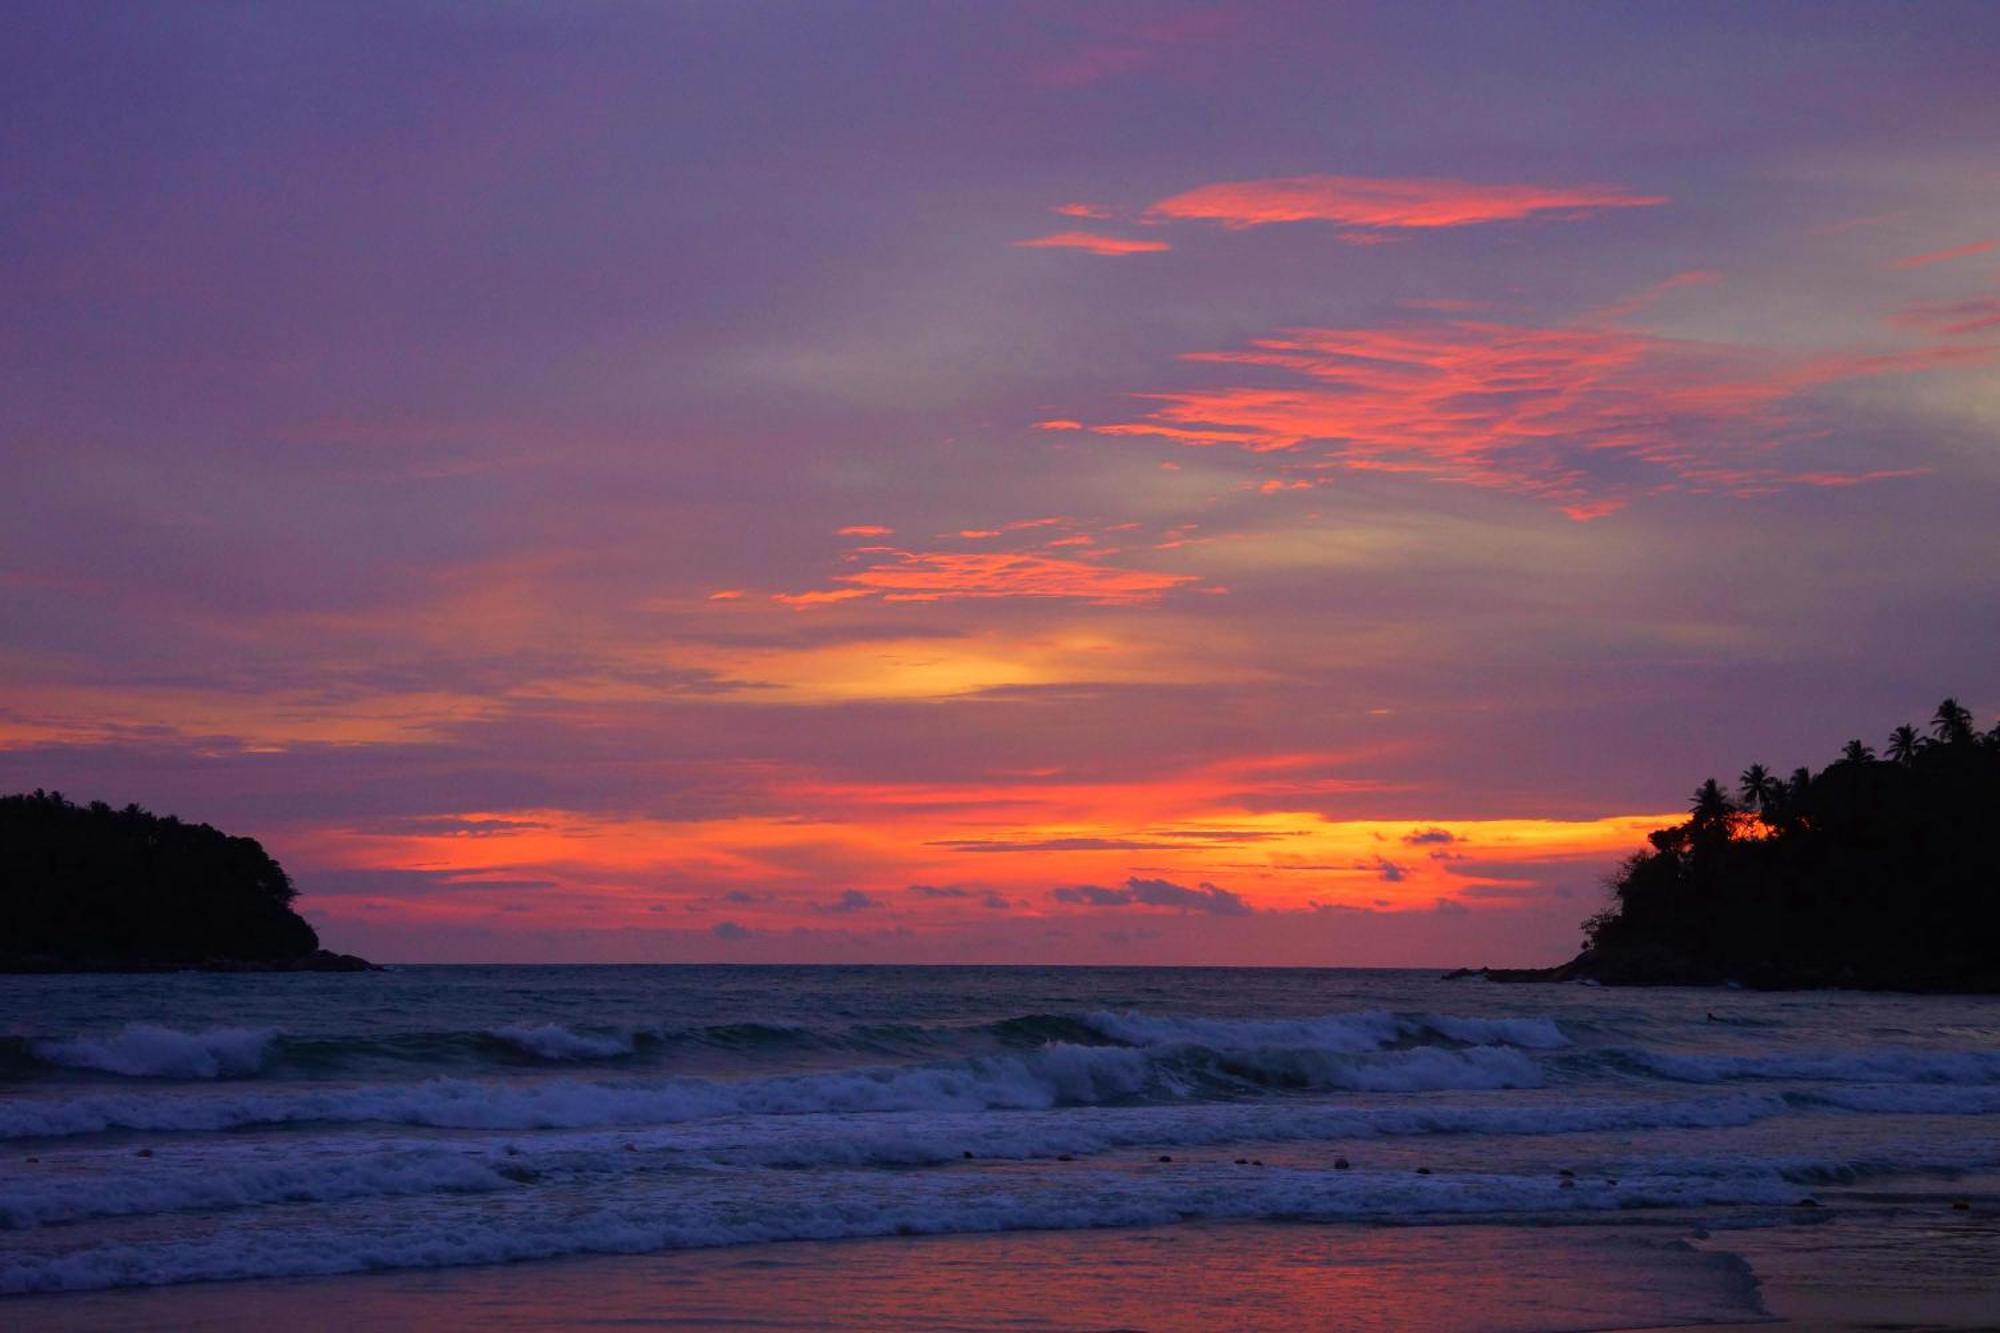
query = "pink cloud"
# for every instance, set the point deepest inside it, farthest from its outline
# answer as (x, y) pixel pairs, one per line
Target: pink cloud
(1095, 212)
(1376, 204)
(1093, 243)
(1972, 315)
(1940, 256)
(1631, 305)
(1135, 48)
(864, 530)
(1530, 409)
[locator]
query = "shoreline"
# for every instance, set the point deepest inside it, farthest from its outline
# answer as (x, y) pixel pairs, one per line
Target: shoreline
(1456, 1276)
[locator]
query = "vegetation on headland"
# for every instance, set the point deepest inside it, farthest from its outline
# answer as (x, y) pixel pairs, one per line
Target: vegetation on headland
(91, 888)
(1877, 871)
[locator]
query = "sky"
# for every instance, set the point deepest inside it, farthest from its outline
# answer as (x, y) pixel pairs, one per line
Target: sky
(1015, 483)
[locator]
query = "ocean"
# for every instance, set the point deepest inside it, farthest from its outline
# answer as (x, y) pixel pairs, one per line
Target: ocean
(165, 1130)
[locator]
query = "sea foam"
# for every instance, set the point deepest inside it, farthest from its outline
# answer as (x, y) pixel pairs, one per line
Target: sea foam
(143, 1050)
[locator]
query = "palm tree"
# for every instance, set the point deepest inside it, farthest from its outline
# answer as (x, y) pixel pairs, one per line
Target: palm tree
(1952, 723)
(1712, 806)
(1854, 752)
(1801, 782)
(1759, 789)
(1904, 743)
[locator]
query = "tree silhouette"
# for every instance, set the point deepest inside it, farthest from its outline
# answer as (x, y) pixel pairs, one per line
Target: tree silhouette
(94, 885)
(1952, 724)
(1861, 874)
(1711, 804)
(1759, 789)
(1904, 742)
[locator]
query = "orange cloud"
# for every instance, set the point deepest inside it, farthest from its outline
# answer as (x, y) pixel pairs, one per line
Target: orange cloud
(802, 600)
(1528, 409)
(1378, 203)
(1095, 212)
(1094, 243)
(1940, 256)
(864, 530)
(1249, 822)
(934, 576)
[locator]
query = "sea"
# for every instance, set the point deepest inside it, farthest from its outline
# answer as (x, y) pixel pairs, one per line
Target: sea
(1642, 1146)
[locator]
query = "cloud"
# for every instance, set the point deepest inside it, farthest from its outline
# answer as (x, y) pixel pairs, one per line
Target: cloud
(865, 530)
(1096, 212)
(935, 576)
(1940, 256)
(938, 891)
(1388, 871)
(1643, 299)
(1373, 205)
(1172, 841)
(1429, 837)
(1555, 411)
(1094, 243)
(1156, 893)
(850, 900)
(729, 930)
(1952, 318)
(1131, 48)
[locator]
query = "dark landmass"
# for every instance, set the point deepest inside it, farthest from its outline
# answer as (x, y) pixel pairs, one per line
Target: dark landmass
(1873, 873)
(86, 888)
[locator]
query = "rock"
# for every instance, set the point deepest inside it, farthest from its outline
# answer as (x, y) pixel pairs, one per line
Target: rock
(1423, 1170)
(1065, 1157)
(1164, 1158)
(143, 1152)
(968, 1154)
(1340, 1164)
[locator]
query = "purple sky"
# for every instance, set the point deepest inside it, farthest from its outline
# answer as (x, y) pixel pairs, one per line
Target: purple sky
(1234, 483)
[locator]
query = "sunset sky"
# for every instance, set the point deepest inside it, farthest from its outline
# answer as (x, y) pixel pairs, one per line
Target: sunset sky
(1303, 484)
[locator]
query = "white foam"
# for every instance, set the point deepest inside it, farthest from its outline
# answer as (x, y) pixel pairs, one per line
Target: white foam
(143, 1050)
(116, 1186)
(551, 1041)
(1349, 1033)
(728, 1208)
(1057, 1075)
(1883, 1064)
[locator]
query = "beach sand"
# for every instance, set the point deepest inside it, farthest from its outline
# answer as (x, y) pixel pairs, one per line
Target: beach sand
(1850, 1271)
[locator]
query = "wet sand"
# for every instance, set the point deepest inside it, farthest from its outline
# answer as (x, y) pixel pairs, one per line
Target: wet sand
(1851, 1271)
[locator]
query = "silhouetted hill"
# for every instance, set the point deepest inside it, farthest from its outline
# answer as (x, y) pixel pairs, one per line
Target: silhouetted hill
(93, 888)
(1879, 873)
